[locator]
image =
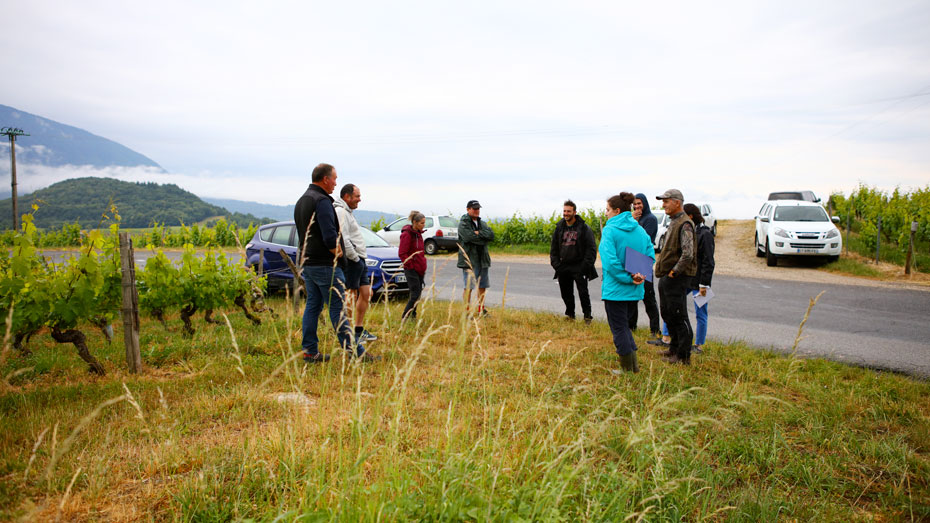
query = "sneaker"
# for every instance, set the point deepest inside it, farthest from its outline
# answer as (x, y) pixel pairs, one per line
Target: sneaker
(367, 357)
(588, 320)
(316, 358)
(367, 336)
(696, 349)
(657, 342)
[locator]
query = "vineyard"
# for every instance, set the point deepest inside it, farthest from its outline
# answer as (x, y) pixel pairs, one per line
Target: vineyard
(85, 289)
(865, 206)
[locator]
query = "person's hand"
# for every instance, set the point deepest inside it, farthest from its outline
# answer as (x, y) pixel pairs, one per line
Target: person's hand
(703, 291)
(671, 274)
(337, 252)
(477, 233)
(638, 278)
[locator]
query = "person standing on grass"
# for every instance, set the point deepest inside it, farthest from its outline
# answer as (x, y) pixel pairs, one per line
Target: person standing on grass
(414, 258)
(620, 290)
(320, 257)
(572, 253)
(474, 259)
(705, 271)
(648, 221)
(675, 265)
(358, 285)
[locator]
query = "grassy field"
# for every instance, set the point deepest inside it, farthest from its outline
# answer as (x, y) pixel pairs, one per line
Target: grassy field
(517, 416)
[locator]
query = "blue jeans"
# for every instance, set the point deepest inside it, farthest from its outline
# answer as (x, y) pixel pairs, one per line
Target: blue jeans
(700, 314)
(326, 283)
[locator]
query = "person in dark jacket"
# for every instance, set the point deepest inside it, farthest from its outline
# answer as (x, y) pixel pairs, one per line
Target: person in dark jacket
(320, 257)
(572, 253)
(705, 272)
(474, 259)
(414, 258)
(648, 221)
(675, 265)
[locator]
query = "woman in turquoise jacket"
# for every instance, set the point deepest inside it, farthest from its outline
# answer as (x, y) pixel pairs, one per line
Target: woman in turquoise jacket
(621, 290)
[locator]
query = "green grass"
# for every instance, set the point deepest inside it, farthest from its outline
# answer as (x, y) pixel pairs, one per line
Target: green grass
(529, 248)
(515, 416)
(889, 252)
(853, 267)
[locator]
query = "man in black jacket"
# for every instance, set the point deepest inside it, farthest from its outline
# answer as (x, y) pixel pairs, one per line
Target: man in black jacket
(648, 221)
(572, 254)
(319, 255)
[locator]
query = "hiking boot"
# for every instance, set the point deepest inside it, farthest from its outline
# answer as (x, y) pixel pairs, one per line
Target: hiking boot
(316, 358)
(667, 353)
(569, 318)
(675, 360)
(628, 362)
(588, 320)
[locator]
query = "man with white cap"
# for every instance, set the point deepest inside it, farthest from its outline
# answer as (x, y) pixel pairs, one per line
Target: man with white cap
(675, 265)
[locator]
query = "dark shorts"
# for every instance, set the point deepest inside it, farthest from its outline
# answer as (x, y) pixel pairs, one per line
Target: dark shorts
(357, 274)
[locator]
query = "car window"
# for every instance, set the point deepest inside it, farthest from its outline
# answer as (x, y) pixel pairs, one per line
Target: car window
(448, 221)
(397, 225)
(798, 213)
(265, 234)
(785, 196)
(282, 235)
(372, 239)
(429, 223)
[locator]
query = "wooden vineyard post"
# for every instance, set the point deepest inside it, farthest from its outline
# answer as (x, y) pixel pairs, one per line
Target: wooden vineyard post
(910, 249)
(130, 309)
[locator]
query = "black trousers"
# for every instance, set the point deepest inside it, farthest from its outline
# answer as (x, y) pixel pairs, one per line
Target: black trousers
(672, 292)
(567, 282)
(652, 310)
(618, 318)
(415, 284)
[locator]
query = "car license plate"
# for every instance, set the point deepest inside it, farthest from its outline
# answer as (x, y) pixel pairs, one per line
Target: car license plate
(808, 251)
(400, 278)
(454, 234)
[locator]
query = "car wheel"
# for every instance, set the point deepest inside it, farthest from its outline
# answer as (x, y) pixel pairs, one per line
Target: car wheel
(831, 259)
(713, 230)
(770, 258)
(759, 252)
(430, 247)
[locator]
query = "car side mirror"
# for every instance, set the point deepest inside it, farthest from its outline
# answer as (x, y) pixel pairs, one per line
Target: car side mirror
(835, 219)
(764, 219)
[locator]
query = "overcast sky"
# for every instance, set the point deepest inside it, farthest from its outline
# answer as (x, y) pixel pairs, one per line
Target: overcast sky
(426, 105)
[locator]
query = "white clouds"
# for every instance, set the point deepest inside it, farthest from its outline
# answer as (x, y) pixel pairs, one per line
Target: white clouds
(518, 98)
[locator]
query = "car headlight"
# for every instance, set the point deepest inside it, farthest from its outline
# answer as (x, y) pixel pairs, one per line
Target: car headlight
(781, 232)
(371, 263)
(832, 234)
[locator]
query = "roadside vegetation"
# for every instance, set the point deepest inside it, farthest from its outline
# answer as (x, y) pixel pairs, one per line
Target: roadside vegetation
(515, 416)
(866, 205)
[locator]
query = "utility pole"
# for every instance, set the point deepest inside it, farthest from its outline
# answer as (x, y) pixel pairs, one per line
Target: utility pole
(12, 133)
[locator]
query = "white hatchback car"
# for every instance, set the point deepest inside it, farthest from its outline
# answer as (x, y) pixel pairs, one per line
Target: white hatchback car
(796, 228)
(441, 232)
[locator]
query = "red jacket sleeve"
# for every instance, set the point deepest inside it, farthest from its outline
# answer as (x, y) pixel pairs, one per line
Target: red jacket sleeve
(406, 249)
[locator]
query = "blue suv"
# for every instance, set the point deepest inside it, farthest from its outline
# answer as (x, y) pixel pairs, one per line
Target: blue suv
(385, 268)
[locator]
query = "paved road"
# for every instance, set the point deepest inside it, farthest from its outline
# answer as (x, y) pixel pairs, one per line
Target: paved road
(867, 326)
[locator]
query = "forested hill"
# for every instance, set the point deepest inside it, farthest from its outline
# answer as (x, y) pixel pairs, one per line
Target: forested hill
(139, 204)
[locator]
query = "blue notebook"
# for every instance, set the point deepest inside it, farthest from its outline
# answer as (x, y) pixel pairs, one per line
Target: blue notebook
(638, 262)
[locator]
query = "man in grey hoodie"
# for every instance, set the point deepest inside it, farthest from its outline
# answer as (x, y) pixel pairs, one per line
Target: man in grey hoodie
(358, 285)
(648, 221)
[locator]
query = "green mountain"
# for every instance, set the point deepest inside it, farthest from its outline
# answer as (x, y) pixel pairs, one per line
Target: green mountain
(139, 205)
(286, 212)
(55, 144)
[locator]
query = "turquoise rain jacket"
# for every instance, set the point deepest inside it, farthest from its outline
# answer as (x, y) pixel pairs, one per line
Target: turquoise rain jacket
(620, 232)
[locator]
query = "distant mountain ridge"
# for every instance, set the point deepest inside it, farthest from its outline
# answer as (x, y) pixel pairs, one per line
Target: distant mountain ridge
(286, 212)
(56, 144)
(84, 200)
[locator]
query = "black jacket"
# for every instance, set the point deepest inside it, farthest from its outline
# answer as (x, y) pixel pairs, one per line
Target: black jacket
(576, 256)
(648, 220)
(317, 207)
(705, 257)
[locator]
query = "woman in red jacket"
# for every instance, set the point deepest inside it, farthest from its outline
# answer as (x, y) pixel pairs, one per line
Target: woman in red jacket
(414, 258)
